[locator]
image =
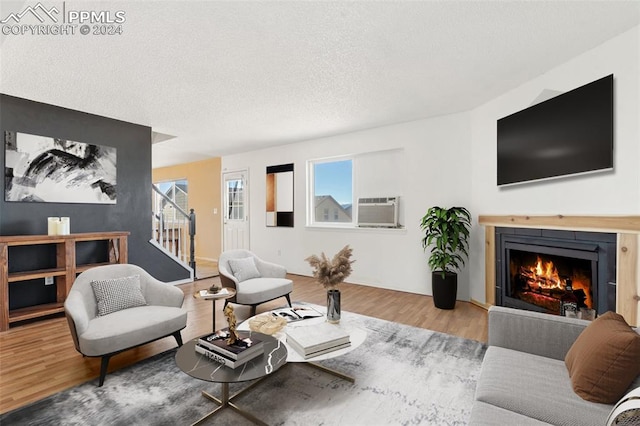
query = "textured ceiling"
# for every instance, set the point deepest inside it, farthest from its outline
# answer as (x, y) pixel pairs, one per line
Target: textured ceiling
(227, 77)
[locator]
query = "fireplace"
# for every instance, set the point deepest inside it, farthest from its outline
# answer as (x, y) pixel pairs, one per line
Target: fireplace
(533, 267)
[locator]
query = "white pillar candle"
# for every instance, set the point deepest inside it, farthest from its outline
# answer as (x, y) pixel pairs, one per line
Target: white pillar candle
(52, 225)
(66, 226)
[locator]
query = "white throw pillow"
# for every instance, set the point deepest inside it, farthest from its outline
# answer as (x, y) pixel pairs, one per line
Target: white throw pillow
(627, 410)
(244, 269)
(117, 294)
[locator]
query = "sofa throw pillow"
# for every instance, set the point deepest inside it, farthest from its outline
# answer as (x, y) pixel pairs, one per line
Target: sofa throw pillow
(625, 412)
(116, 294)
(604, 360)
(244, 269)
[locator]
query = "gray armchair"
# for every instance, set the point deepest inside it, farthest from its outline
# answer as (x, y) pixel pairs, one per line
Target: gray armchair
(106, 335)
(253, 286)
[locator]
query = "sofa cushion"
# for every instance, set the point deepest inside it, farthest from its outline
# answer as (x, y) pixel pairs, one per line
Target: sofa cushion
(604, 359)
(244, 269)
(130, 327)
(536, 387)
(115, 294)
(483, 414)
(258, 290)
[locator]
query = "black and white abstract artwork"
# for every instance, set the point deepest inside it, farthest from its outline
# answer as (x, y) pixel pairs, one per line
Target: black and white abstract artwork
(46, 169)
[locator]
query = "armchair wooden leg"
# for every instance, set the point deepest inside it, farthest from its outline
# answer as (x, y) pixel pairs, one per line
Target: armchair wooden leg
(104, 364)
(253, 310)
(178, 337)
(288, 300)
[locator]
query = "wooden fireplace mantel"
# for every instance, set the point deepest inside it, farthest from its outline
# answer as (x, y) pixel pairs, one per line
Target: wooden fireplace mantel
(627, 229)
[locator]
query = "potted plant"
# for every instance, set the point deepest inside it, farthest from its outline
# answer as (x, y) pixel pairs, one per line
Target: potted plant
(330, 273)
(446, 231)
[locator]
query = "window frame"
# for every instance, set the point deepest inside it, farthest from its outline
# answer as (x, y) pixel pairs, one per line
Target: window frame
(311, 220)
(173, 185)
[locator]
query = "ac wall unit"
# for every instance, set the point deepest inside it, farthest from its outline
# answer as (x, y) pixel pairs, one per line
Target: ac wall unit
(378, 212)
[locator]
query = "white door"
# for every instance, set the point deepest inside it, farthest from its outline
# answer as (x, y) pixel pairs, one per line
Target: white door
(236, 211)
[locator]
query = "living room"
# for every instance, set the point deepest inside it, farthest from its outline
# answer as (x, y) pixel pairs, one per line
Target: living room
(445, 157)
(459, 148)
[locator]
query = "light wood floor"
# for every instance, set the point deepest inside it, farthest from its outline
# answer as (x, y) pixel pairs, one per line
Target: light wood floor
(206, 269)
(38, 359)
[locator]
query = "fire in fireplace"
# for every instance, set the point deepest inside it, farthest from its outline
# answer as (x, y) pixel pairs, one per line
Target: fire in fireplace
(534, 265)
(541, 279)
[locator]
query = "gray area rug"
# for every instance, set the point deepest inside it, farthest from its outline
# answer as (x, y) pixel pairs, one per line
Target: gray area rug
(404, 376)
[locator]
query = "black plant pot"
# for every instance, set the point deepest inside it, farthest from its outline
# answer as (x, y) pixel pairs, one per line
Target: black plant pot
(444, 289)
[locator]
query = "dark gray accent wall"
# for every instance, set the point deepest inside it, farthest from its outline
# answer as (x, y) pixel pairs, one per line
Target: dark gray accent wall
(132, 212)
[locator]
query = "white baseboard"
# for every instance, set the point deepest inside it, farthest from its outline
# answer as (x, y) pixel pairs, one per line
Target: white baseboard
(480, 304)
(178, 282)
(208, 259)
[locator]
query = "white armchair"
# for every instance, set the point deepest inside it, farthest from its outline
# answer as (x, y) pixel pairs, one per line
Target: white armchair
(255, 280)
(159, 314)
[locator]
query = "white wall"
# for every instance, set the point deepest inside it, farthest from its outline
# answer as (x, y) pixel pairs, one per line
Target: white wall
(436, 172)
(613, 193)
(451, 160)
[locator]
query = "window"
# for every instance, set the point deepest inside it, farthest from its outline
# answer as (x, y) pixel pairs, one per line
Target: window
(331, 191)
(235, 199)
(176, 191)
(335, 184)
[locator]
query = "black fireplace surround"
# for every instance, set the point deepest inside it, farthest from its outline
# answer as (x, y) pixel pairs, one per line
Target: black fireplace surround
(591, 255)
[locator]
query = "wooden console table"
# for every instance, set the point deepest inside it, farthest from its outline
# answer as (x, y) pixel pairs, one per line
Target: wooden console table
(64, 273)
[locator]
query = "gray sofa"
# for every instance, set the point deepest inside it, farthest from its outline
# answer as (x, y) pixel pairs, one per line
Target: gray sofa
(105, 336)
(524, 380)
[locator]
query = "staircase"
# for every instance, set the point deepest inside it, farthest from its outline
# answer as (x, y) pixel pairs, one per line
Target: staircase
(173, 230)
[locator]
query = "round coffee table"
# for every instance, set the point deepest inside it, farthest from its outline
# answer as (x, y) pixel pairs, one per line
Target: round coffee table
(230, 292)
(198, 366)
(357, 336)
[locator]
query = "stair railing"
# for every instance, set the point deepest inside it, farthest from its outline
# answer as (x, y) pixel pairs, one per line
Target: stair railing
(174, 229)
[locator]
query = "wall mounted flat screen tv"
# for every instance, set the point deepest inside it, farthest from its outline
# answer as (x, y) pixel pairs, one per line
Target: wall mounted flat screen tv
(569, 134)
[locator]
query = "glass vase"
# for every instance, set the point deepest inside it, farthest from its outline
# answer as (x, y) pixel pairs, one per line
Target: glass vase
(333, 306)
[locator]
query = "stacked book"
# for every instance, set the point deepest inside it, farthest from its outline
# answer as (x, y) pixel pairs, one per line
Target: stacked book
(206, 294)
(215, 347)
(318, 339)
